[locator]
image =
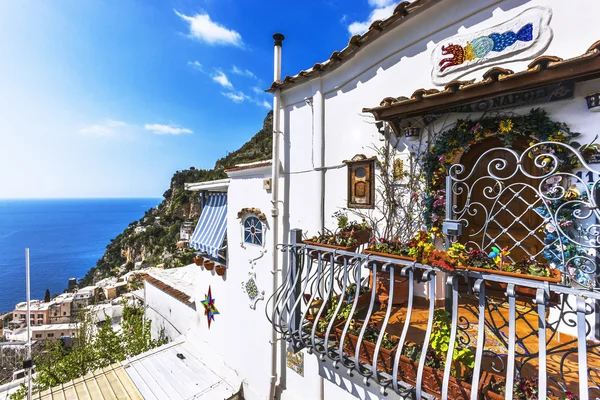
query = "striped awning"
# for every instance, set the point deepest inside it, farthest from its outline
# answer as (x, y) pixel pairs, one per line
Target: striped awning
(210, 231)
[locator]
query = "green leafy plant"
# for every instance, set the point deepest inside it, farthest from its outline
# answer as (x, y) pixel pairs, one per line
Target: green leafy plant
(372, 333)
(440, 343)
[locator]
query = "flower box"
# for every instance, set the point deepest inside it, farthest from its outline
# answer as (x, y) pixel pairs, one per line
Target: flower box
(498, 289)
(362, 236)
(382, 287)
(209, 265)
(199, 261)
(385, 359)
(433, 379)
(327, 254)
(332, 336)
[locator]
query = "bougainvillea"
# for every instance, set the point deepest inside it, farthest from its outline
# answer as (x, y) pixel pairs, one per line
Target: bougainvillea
(534, 127)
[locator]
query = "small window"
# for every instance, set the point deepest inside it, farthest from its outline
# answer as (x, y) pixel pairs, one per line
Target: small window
(51, 335)
(15, 316)
(64, 313)
(38, 335)
(40, 315)
(253, 231)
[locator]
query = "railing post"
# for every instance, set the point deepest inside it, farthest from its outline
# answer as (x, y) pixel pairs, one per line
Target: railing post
(295, 267)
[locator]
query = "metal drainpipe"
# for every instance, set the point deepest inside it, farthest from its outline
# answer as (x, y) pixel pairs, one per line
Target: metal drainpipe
(278, 38)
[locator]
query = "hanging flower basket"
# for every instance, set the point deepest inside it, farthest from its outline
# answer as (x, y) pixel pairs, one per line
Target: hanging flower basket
(209, 265)
(220, 269)
(199, 260)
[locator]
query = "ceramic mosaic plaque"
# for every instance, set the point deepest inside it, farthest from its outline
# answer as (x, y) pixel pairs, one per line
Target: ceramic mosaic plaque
(251, 289)
(524, 36)
(295, 361)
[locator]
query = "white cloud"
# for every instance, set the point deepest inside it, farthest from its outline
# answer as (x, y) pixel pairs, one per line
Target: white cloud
(222, 80)
(266, 104)
(379, 13)
(195, 65)
(160, 129)
(381, 3)
(243, 72)
(235, 97)
(257, 90)
(204, 29)
(108, 128)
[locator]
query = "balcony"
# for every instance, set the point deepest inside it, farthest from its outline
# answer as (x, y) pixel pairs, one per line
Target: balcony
(535, 334)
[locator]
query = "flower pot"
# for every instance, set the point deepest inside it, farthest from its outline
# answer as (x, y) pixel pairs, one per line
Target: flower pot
(498, 289)
(199, 261)
(332, 335)
(328, 254)
(433, 378)
(220, 269)
(385, 359)
(361, 236)
(593, 102)
(412, 132)
(382, 286)
(209, 265)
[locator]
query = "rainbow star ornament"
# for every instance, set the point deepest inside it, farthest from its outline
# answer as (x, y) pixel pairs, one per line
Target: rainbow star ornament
(209, 307)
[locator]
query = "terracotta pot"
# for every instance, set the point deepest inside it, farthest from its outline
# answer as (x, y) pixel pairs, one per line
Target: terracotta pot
(498, 290)
(199, 261)
(433, 379)
(220, 269)
(385, 359)
(327, 254)
(361, 236)
(382, 286)
(209, 265)
(334, 328)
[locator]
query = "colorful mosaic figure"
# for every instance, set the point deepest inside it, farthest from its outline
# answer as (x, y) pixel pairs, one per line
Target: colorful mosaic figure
(483, 45)
(251, 289)
(209, 307)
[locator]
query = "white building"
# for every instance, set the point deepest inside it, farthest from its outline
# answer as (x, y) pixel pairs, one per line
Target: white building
(505, 57)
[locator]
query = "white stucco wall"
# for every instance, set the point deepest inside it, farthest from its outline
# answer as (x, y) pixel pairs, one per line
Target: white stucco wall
(167, 313)
(396, 65)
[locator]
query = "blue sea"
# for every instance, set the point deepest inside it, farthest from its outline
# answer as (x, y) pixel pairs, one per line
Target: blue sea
(65, 239)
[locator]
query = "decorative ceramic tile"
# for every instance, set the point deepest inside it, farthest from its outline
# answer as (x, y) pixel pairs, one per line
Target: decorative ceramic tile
(251, 289)
(209, 307)
(295, 361)
(523, 36)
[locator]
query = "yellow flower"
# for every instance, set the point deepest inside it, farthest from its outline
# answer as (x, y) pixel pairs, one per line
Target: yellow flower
(506, 125)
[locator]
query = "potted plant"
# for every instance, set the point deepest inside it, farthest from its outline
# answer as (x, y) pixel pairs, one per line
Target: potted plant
(415, 250)
(360, 231)
(198, 260)
(220, 269)
(463, 360)
(497, 262)
(209, 265)
(333, 241)
(524, 388)
(324, 320)
(387, 351)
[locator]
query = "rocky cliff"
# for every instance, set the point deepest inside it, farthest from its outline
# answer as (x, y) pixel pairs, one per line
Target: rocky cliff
(153, 239)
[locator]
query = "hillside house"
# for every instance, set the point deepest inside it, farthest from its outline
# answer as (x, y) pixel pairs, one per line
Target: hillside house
(435, 105)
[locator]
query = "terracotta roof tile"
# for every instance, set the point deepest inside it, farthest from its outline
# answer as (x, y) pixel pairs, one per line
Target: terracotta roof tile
(258, 164)
(541, 71)
(177, 294)
(403, 10)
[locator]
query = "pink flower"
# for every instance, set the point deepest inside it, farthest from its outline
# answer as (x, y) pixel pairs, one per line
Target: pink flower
(435, 217)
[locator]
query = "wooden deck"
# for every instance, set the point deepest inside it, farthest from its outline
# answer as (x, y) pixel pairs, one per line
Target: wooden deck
(565, 345)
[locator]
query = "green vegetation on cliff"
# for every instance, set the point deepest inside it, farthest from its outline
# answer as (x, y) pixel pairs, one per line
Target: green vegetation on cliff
(152, 240)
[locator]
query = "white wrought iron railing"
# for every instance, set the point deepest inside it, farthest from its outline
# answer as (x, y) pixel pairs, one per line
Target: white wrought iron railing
(492, 335)
(511, 337)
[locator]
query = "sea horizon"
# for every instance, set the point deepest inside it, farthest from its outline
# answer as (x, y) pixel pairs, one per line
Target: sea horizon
(66, 237)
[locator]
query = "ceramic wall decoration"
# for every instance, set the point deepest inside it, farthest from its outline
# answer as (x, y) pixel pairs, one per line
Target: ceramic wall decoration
(522, 37)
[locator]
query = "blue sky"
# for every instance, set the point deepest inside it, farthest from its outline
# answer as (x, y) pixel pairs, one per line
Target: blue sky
(109, 98)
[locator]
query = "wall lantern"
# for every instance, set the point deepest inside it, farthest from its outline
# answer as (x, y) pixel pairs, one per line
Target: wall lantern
(412, 132)
(361, 181)
(593, 101)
